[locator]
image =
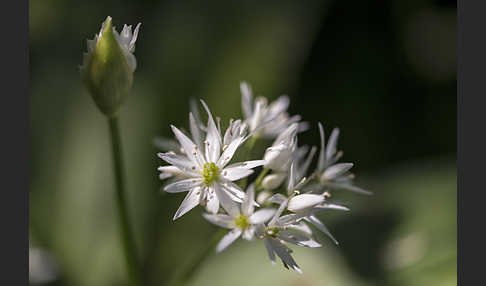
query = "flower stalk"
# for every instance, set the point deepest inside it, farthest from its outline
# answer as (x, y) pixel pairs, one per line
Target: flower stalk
(127, 239)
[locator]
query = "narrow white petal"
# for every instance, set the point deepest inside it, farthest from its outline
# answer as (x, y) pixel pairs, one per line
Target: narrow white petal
(189, 202)
(229, 152)
(187, 144)
(249, 233)
(195, 131)
(228, 239)
(322, 154)
(166, 144)
(279, 106)
(336, 170)
(248, 164)
(291, 184)
(332, 145)
(181, 162)
(304, 201)
(246, 99)
(328, 206)
(298, 239)
(226, 202)
(277, 199)
(270, 251)
(317, 223)
(349, 187)
(212, 204)
(284, 253)
(213, 138)
(247, 206)
(183, 185)
(233, 190)
(282, 207)
(236, 173)
(221, 220)
(261, 215)
(303, 169)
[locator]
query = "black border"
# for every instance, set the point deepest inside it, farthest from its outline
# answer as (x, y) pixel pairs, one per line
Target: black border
(471, 141)
(14, 120)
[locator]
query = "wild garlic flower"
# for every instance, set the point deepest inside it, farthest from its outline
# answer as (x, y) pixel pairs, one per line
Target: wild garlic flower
(205, 164)
(266, 120)
(330, 174)
(201, 168)
(108, 66)
(242, 220)
(282, 230)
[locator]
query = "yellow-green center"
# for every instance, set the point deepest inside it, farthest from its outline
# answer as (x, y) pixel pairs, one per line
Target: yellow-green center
(210, 173)
(271, 231)
(242, 222)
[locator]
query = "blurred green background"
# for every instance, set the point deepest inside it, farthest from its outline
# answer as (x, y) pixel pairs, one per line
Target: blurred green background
(382, 71)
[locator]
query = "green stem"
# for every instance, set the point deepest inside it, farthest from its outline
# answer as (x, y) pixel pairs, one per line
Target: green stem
(259, 179)
(248, 152)
(128, 242)
(187, 274)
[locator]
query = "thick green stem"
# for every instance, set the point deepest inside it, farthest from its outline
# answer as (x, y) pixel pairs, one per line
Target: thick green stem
(187, 274)
(126, 234)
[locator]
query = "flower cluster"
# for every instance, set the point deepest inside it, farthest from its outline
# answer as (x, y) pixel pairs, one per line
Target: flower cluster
(279, 205)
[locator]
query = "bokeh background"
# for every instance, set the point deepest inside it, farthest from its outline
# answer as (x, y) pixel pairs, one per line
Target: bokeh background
(384, 72)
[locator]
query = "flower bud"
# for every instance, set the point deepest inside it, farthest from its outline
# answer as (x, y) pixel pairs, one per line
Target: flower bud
(262, 197)
(272, 181)
(304, 201)
(277, 157)
(108, 66)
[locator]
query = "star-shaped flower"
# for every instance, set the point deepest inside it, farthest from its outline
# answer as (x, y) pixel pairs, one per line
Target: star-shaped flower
(207, 173)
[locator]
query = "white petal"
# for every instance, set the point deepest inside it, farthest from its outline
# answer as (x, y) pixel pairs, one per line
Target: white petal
(195, 131)
(248, 164)
(303, 168)
(336, 170)
(284, 253)
(236, 173)
(246, 99)
(279, 106)
(317, 223)
(189, 147)
(322, 154)
(291, 184)
(166, 144)
(261, 216)
(249, 233)
(277, 157)
(332, 145)
(278, 213)
(298, 239)
(181, 162)
(221, 220)
(228, 239)
(301, 227)
(229, 152)
(189, 202)
(277, 199)
(226, 202)
(249, 202)
(270, 251)
(304, 201)
(328, 206)
(212, 204)
(349, 187)
(213, 138)
(169, 171)
(183, 185)
(233, 190)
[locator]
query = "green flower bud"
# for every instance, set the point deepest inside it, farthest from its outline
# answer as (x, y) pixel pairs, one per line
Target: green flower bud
(108, 66)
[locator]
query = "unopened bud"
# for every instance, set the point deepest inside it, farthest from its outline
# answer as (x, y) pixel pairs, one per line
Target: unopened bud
(108, 66)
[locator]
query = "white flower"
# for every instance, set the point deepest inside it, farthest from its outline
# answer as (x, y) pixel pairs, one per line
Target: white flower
(331, 174)
(208, 177)
(278, 157)
(241, 220)
(285, 229)
(266, 120)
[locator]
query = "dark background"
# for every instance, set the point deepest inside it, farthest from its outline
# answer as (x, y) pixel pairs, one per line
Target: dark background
(382, 71)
